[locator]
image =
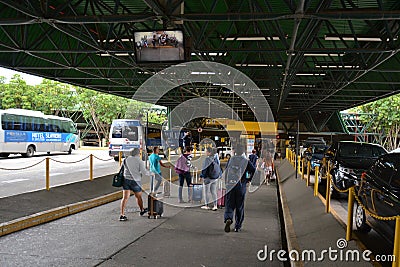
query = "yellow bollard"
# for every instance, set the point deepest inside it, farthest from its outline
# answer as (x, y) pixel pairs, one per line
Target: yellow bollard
(169, 154)
(316, 181)
(308, 172)
(299, 164)
(350, 208)
(194, 149)
(302, 169)
(91, 168)
(287, 153)
(328, 192)
(396, 245)
(47, 174)
(120, 158)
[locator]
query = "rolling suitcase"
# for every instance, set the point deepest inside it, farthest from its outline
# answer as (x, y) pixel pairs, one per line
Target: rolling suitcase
(221, 192)
(197, 194)
(155, 204)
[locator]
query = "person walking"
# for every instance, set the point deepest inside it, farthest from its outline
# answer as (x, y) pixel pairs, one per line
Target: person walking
(253, 158)
(155, 163)
(210, 172)
(182, 168)
(267, 165)
(238, 173)
(133, 170)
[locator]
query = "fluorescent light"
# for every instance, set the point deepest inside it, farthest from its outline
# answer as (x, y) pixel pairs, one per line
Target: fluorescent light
(304, 85)
(202, 73)
(257, 65)
(219, 54)
(116, 54)
(310, 74)
(298, 93)
(323, 54)
(252, 38)
(337, 66)
(353, 38)
(113, 40)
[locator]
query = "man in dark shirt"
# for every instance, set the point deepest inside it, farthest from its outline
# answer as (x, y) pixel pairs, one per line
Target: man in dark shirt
(238, 173)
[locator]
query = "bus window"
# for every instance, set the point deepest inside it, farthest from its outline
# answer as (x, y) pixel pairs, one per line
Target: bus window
(117, 132)
(130, 132)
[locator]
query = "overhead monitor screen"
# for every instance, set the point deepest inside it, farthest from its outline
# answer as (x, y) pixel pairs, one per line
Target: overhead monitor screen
(159, 46)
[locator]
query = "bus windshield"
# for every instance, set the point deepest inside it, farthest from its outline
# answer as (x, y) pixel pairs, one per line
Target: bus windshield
(125, 129)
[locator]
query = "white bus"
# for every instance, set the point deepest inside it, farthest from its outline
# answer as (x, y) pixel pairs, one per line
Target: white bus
(26, 132)
(125, 134)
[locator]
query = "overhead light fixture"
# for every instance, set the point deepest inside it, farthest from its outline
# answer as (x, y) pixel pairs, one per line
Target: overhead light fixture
(298, 93)
(215, 54)
(304, 85)
(337, 66)
(364, 38)
(258, 65)
(310, 74)
(323, 54)
(113, 40)
(115, 54)
(202, 73)
(252, 38)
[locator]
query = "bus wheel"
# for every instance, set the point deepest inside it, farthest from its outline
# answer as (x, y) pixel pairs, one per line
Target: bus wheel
(70, 150)
(4, 155)
(116, 158)
(29, 152)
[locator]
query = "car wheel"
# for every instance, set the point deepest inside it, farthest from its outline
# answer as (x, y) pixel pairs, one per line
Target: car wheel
(29, 152)
(361, 221)
(70, 150)
(4, 155)
(116, 158)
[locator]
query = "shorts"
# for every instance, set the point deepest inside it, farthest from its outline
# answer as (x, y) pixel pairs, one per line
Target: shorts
(131, 185)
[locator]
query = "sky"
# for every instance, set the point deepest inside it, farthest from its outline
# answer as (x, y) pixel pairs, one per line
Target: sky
(29, 79)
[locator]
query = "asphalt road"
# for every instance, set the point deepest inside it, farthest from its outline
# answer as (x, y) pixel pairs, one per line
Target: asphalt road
(19, 175)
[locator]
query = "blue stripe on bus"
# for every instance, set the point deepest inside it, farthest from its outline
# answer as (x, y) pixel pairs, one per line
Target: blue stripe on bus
(26, 136)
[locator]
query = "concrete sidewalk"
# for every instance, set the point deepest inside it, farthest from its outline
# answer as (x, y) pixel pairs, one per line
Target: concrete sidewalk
(182, 237)
(309, 227)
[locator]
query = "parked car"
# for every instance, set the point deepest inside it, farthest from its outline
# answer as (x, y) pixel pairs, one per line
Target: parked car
(224, 152)
(379, 192)
(311, 141)
(315, 154)
(349, 160)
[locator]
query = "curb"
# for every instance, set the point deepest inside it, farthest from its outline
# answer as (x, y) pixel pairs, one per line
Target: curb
(291, 237)
(60, 212)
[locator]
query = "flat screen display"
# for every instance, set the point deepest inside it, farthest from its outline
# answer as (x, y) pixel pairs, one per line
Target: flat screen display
(159, 46)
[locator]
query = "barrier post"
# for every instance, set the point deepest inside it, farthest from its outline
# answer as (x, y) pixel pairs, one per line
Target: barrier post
(194, 149)
(350, 208)
(328, 191)
(91, 168)
(396, 246)
(169, 154)
(316, 181)
(287, 153)
(120, 158)
(308, 172)
(302, 169)
(47, 173)
(298, 164)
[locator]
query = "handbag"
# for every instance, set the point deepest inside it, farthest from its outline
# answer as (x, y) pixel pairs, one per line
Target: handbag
(118, 179)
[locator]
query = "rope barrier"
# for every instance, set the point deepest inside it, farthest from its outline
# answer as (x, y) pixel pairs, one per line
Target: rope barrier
(102, 159)
(336, 188)
(382, 218)
(66, 162)
(5, 169)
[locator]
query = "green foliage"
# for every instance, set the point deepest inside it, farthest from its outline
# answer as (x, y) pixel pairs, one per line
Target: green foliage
(387, 121)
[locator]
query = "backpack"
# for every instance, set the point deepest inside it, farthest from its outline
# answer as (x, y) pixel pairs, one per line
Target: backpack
(181, 165)
(214, 170)
(235, 170)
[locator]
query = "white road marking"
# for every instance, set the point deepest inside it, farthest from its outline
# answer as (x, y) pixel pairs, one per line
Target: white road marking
(14, 181)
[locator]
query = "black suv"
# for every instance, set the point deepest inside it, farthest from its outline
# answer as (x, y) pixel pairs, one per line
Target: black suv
(349, 159)
(379, 192)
